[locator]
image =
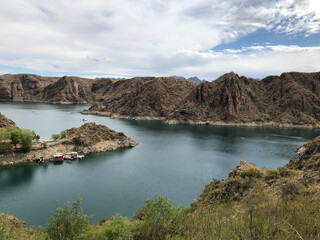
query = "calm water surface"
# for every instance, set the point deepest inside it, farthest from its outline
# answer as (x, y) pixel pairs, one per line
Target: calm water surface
(174, 160)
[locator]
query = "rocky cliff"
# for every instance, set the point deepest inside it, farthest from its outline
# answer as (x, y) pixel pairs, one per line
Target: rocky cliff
(291, 98)
(6, 122)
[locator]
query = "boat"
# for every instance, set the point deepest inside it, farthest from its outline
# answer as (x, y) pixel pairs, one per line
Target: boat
(57, 158)
(73, 156)
(84, 119)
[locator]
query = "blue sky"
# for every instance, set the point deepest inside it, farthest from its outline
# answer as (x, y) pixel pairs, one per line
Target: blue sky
(124, 38)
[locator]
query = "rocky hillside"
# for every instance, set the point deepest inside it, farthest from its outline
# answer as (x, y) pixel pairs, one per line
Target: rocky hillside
(292, 98)
(148, 96)
(34, 88)
(6, 122)
(299, 177)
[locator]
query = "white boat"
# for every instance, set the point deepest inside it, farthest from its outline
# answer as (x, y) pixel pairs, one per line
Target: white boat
(84, 119)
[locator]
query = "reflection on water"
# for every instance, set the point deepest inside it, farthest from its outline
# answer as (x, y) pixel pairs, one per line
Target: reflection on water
(174, 160)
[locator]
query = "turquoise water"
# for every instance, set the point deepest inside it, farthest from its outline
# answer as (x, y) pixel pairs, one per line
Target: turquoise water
(174, 160)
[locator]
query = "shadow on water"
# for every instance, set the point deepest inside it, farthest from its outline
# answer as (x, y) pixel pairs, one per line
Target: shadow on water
(21, 174)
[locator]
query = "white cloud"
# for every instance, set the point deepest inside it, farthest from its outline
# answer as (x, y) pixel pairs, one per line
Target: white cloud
(143, 37)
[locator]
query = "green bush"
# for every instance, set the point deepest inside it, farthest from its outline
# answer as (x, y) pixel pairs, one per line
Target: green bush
(287, 172)
(55, 136)
(45, 145)
(16, 136)
(27, 139)
(68, 222)
(159, 218)
(63, 134)
(252, 173)
(272, 174)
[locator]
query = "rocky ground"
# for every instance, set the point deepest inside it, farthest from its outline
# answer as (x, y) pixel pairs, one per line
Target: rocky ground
(89, 138)
(6, 122)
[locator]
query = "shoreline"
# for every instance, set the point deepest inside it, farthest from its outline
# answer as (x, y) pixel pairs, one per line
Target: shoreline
(14, 158)
(193, 122)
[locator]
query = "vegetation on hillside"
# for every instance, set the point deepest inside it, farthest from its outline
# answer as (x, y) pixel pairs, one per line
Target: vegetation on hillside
(13, 136)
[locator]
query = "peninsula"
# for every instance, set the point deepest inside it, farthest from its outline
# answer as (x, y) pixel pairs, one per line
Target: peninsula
(89, 138)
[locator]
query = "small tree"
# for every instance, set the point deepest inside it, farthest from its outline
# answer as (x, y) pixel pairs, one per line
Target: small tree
(68, 222)
(27, 139)
(15, 136)
(63, 134)
(55, 136)
(45, 145)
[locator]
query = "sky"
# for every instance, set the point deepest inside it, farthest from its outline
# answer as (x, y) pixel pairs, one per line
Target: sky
(125, 38)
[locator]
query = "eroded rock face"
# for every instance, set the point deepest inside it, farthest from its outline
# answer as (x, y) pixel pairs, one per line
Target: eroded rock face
(292, 98)
(6, 122)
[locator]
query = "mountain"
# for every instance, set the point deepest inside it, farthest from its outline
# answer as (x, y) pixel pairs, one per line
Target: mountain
(195, 79)
(291, 98)
(6, 122)
(34, 88)
(178, 77)
(142, 96)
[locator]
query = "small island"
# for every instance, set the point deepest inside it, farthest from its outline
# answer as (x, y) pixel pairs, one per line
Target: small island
(89, 138)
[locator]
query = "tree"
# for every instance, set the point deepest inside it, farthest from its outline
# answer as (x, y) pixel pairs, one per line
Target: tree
(15, 136)
(159, 218)
(4, 140)
(55, 136)
(63, 134)
(68, 222)
(26, 139)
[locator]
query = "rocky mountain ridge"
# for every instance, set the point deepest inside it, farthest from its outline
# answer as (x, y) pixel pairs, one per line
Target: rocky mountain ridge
(291, 98)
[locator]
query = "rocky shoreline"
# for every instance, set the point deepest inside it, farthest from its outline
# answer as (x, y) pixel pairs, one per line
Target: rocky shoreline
(193, 122)
(89, 138)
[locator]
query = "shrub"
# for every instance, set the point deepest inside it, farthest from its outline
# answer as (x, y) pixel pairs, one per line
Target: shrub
(15, 136)
(68, 222)
(291, 189)
(55, 136)
(272, 174)
(267, 117)
(63, 134)
(287, 172)
(251, 173)
(27, 139)
(45, 145)
(159, 218)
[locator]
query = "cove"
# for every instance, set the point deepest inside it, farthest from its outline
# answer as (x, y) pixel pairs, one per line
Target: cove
(174, 160)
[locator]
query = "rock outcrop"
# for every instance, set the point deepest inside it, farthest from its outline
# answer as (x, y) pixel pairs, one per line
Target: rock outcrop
(6, 122)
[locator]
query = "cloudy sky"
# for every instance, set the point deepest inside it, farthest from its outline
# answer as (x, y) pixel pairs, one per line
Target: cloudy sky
(126, 38)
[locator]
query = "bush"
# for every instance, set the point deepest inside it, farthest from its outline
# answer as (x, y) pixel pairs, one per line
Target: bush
(63, 134)
(15, 136)
(55, 136)
(159, 218)
(68, 222)
(287, 172)
(27, 139)
(251, 173)
(267, 117)
(45, 145)
(272, 174)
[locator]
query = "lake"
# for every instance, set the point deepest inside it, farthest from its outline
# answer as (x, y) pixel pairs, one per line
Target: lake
(174, 160)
